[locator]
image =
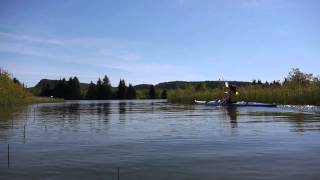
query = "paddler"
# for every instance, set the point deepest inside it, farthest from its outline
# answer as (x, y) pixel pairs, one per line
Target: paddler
(231, 96)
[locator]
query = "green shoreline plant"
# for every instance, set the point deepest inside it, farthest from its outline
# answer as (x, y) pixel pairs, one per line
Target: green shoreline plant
(297, 89)
(13, 93)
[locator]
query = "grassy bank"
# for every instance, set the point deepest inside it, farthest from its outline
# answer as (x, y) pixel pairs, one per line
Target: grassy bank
(291, 94)
(12, 93)
(298, 88)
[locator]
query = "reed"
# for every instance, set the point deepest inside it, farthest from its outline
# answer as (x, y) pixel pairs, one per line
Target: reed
(293, 94)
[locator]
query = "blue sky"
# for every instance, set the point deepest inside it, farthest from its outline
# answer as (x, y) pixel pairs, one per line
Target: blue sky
(151, 41)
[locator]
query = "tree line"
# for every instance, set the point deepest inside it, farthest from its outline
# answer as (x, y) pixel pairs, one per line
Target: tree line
(101, 90)
(295, 78)
(66, 89)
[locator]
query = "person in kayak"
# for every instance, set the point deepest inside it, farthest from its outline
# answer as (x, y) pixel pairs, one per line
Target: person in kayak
(231, 96)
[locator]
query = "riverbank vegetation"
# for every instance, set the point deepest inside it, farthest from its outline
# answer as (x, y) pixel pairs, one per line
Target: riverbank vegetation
(101, 90)
(13, 93)
(297, 88)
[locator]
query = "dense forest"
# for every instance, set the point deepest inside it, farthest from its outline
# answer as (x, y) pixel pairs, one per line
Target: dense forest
(101, 90)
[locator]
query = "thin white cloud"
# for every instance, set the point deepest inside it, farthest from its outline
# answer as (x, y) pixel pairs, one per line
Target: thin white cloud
(96, 53)
(121, 57)
(17, 48)
(23, 37)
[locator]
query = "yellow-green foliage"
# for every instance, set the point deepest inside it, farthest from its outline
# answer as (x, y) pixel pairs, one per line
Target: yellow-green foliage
(10, 92)
(189, 94)
(293, 94)
(308, 94)
(13, 94)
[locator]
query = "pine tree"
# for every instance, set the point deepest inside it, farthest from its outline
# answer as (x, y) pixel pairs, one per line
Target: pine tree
(68, 89)
(45, 90)
(164, 94)
(131, 92)
(121, 94)
(74, 88)
(99, 89)
(259, 82)
(91, 93)
(152, 92)
(254, 82)
(107, 89)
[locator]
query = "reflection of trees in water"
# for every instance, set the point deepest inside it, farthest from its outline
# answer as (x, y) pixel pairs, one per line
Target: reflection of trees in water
(122, 107)
(122, 110)
(301, 121)
(304, 122)
(103, 111)
(11, 118)
(60, 115)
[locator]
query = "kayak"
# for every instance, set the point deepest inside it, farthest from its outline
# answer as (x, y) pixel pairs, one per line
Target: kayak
(237, 104)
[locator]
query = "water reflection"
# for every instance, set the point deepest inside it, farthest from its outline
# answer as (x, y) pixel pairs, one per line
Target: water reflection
(148, 139)
(96, 115)
(8, 120)
(122, 111)
(300, 122)
(232, 112)
(106, 112)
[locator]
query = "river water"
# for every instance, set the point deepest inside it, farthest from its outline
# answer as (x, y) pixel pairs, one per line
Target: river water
(154, 139)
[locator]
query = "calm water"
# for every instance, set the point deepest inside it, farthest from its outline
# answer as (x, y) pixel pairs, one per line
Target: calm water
(158, 140)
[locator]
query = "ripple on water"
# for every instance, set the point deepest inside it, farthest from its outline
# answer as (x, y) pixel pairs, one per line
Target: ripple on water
(153, 139)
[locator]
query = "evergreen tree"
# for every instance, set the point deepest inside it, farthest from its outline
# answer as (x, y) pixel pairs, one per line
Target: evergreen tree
(131, 92)
(164, 94)
(254, 82)
(107, 89)
(45, 90)
(121, 94)
(91, 93)
(63, 89)
(266, 83)
(99, 89)
(73, 89)
(259, 82)
(68, 89)
(60, 89)
(152, 92)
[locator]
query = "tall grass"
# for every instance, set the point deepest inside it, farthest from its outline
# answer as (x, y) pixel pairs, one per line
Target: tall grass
(294, 94)
(13, 94)
(189, 94)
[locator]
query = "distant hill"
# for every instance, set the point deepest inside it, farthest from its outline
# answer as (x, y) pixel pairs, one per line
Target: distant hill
(209, 84)
(165, 85)
(142, 86)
